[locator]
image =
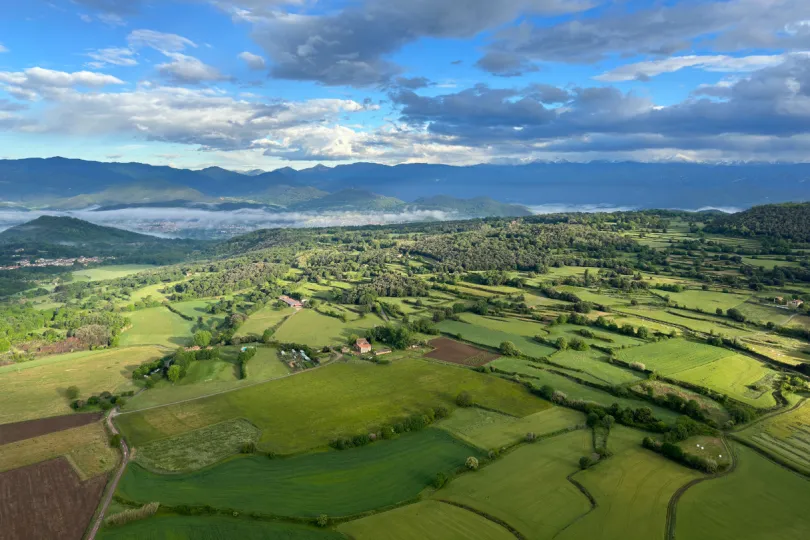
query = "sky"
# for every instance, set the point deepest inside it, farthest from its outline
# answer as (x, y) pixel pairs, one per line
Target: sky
(264, 84)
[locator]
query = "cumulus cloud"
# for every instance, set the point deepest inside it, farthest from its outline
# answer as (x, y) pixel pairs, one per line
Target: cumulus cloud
(253, 61)
(184, 69)
(29, 84)
(505, 64)
(718, 63)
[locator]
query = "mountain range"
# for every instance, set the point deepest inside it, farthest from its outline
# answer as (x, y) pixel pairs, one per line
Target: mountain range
(61, 183)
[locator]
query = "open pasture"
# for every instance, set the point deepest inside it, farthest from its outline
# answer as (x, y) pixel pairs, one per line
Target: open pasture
(713, 409)
(197, 449)
(708, 301)
(493, 338)
(86, 447)
(632, 489)
(311, 328)
(156, 326)
(338, 483)
(764, 313)
(759, 500)
(737, 376)
(173, 527)
(672, 356)
(426, 519)
(116, 271)
(491, 430)
(596, 364)
(448, 350)
(47, 500)
(37, 388)
(603, 338)
(786, 436)
(768, 263)
(697, 322)
(528, 488)
(149, 290)
(267, 317)
(309, 409)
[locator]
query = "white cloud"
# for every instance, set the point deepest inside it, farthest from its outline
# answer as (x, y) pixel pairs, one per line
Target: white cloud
(253, 61)
(185, 69)
(159, 40)
(717, 63)
(30, 83)
(2, 48)
(117, 56)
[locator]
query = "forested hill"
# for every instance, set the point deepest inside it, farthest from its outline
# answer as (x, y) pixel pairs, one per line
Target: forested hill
(68, 230)
(789, 221)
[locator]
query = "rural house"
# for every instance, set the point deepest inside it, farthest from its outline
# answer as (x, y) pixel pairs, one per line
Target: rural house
(362, 346)
(292, 302)
(795, 304)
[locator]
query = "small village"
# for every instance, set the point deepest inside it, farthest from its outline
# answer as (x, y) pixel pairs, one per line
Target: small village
(41, 263)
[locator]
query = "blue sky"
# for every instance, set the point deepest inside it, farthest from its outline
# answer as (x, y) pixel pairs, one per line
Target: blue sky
(269, 83)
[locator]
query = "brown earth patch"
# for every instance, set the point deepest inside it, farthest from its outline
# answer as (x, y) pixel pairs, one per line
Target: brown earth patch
(47, 500)
(449, 350)
(19, 431)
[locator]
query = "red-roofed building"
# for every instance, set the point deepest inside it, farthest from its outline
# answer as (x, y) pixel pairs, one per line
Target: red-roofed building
(362, 346)
(292, 302)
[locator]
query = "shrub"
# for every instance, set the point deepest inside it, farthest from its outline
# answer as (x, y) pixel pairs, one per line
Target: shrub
(464, 399)
(440, 480)
(72, 392)
(559, 397)
(638, 366)
(133, 514)
(472, 463)
(530, 437)
(323, 520)
(247, 447)
(508, 348)
(585, 462)
(115, 440)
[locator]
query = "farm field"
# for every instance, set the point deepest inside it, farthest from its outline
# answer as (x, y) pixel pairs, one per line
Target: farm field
(426, 519)
(110, 272)
(708, 301)
(534, 474)
(493, 338)
(764, 262)
(19, 431)
(378, 394)
(490, 430)
(693, 321)
(197, 449)
(448, 350)
(47, 500)
(168, 527)
(733, 375)
(311, 328)
(596, 364)
(571, 331)
(672, 356)
(759, 500)
(540, 377)
(785, 436)
(87, 448)
(263, 319)
(37, 389)
(632, 489)
(338, 483)
(157, 326)
(763, 313)
(149, 290)
(712, 408)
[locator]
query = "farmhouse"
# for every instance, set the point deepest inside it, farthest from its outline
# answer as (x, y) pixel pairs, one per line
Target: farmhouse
(362, 346)
(795, 304)
(292, 302)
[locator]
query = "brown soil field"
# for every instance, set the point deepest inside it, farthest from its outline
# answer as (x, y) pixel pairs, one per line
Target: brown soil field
(47, 500)
(19, 431)
(449, 350)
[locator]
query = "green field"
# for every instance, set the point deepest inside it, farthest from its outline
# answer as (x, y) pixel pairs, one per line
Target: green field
(632, 489)
(37, 388)
(694, 321)
(708, 301)
(311, 328)
(573, 390)
(767, 263)
(760, 500)
(110, 272)
(423, 520)
(712, 408)
(571, 331)
(493, 338)
(337, 483)
(199, 309)
(785, 436)
(764, 313)
(149, 290)
(320, 398)
(263, 319)
(596, 364)
(165, 527)
(673, 356)
(491, 430)
(732, 376)
(197, 449)
(528, 488)
(156, 326)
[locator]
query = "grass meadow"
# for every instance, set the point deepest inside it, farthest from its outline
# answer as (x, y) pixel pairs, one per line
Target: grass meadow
(708, 301)
(493, 338)
(735, 376)
(491, 430)
(759, 500)
(309, 409)
(528, 488)
(86, 447)
(426, 519)
(338, 483)
(673, 356)
(785, 436)
(596, 364)
(169, 527)
(37, 388)
(263, 319)
(311, 328)
(110, 272)
(156, 326)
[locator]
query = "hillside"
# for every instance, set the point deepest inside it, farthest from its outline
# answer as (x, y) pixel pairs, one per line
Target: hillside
(788, 221)
(350, 199)
(138, 193)
(69, 231)
(477, 206)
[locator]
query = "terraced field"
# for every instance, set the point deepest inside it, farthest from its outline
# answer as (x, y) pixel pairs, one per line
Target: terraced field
(334, 483)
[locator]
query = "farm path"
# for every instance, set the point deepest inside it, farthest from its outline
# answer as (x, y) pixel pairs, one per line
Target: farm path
(114, 483)
(672, 507)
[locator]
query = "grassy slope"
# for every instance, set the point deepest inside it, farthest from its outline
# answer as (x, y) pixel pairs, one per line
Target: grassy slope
(732, 375)
(36, 389)
(262, 320)
(672, 356)
(528, 488)
(213, 528)
(307, 410)
(785, 436)
(156, 326)
(760, 500)
(595, 363)
(493, 338)
(110, 272)
(333, 483)
(87, 448)
(312, 328)
(426, 519)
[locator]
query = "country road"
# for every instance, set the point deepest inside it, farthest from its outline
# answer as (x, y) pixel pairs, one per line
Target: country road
(114, 483)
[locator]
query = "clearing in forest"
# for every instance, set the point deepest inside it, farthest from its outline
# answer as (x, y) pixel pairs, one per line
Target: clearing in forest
(449, 350)
(156, 326)
(338, 483)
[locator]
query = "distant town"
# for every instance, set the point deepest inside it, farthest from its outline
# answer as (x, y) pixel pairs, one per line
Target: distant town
(40, 263)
